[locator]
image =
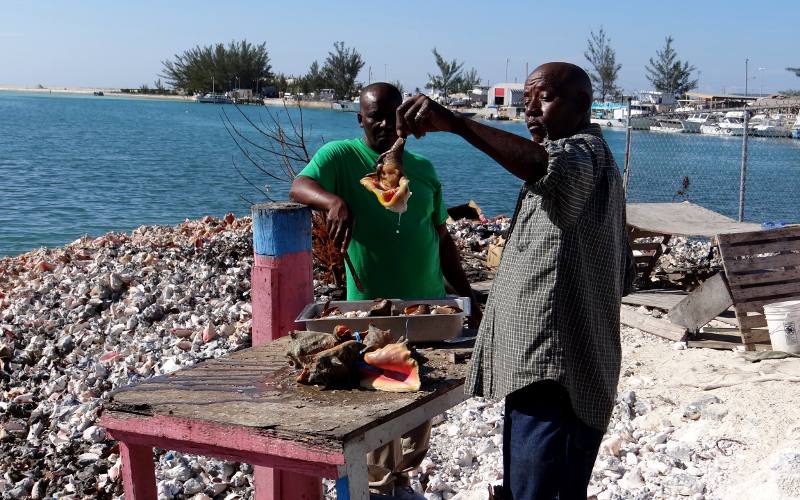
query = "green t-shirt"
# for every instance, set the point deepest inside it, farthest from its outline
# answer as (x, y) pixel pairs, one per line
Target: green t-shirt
(395, 256)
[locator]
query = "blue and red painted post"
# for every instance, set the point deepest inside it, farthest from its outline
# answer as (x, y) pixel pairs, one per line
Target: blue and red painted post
(282, 284)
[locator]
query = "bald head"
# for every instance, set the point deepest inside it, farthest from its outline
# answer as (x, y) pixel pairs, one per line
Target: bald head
(381, 91)
(558, 100)
(379, 103)
(572, 79)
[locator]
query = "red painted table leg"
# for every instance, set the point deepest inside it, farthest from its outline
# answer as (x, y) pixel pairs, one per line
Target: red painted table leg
(138, 472)
(271, 484)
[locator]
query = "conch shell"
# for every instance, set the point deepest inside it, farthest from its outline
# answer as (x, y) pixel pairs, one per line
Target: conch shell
(388, 183)
(391, 369)
(334, 367)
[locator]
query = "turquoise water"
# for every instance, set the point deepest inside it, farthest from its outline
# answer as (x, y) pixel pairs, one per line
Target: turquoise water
(75, 165)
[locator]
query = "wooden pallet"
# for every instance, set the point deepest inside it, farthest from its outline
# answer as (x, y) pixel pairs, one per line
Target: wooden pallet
(761, 267)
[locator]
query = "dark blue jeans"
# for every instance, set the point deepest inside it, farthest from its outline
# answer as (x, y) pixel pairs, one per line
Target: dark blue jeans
(548, 453)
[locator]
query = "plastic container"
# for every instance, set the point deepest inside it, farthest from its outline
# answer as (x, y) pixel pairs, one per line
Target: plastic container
(783, 322)
(417, 328)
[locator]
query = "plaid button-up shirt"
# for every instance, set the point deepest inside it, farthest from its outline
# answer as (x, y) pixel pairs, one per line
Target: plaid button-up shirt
(553, 311)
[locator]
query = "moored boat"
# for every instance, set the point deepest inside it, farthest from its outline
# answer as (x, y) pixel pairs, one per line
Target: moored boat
(667, 125)
(213, 98)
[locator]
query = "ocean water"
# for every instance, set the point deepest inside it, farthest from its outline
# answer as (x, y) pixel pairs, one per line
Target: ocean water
(75, 165)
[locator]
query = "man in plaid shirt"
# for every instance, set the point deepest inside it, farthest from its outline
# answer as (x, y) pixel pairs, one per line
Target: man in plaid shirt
(549, 340)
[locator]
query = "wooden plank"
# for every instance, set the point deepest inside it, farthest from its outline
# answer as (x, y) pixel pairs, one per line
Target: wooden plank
(661, 299)
(652, 325)
(754, 263)
(764, 277)
(755, 336)
(772, 234)
(766, 291)
(684, 219)
(731, 252)
(647, 247)
(752, 321)
(200, 434)
(256, 388)
(705, 303)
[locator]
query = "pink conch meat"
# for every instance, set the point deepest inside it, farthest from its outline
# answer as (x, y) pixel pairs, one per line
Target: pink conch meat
(388, 183)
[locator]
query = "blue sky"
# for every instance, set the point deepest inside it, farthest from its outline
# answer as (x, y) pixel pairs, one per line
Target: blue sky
(122, 44)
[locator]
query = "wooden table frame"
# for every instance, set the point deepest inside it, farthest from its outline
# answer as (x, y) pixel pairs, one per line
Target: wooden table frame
(286, 466)
(138, 435)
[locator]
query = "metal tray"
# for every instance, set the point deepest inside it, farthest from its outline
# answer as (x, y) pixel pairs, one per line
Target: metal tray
(417, 328)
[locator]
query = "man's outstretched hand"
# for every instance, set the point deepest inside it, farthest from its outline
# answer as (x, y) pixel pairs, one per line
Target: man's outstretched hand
(421, 114)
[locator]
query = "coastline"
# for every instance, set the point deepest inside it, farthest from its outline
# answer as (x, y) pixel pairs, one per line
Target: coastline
(89, 91)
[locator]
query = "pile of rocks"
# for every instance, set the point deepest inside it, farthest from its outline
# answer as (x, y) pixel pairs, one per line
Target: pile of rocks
(102, 313)
(82, 320)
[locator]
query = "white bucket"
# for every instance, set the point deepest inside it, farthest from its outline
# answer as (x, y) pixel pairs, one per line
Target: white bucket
(783, 321)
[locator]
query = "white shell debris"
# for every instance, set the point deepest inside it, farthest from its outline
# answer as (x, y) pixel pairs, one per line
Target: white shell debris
(102, 313)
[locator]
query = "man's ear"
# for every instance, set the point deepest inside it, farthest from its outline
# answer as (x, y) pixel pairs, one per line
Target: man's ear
(360, 124)
(584, 101)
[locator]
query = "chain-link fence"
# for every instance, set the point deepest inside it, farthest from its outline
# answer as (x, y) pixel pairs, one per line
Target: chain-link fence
(700, 157)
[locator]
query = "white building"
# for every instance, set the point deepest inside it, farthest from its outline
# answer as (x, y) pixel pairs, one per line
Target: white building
(506, 94)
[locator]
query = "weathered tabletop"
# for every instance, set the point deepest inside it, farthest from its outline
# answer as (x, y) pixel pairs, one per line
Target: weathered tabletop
(683, 219)
(256, 388)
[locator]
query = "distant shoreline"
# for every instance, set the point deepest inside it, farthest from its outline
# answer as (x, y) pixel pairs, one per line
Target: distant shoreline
(109, 92)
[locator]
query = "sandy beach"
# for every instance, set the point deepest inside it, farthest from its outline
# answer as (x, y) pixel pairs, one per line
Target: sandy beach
(110, 92)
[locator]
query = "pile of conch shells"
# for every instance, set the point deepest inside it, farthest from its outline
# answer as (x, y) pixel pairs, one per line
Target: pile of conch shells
(98, 314)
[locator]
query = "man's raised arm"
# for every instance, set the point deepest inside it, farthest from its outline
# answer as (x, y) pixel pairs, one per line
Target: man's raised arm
(522, 157)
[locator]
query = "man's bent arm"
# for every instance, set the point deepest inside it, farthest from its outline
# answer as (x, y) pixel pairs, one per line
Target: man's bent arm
(454, 273)
(307, 191)
(521, 156)
(338, 218)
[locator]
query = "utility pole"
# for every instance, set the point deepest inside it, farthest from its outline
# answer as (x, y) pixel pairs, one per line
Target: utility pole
(507, 58)
(369, 77)
(745, 76)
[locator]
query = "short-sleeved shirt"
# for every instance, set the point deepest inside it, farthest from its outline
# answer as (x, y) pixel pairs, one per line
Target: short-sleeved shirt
(553, 311)
(395, 255)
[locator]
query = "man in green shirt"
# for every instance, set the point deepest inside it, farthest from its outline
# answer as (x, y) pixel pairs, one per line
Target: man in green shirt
(405, 256)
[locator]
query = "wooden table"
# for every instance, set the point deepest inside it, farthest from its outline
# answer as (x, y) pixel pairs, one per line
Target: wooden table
(246, 407)
(661, 221)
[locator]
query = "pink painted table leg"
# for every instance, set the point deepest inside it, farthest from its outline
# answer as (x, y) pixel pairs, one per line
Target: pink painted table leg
(138, 472)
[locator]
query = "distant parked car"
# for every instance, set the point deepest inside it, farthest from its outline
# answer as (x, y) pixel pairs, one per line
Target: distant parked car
(458, 102)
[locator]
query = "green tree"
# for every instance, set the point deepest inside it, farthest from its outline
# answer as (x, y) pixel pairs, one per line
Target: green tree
(604, 64)
(316, 80)
(796, 71)
(448, 77)
(468, 81)
(399, 85)
(341, 69)
(216, 66)
(668, 74)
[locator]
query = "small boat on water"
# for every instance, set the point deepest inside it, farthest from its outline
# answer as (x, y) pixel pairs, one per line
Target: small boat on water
(668, 125)
(353, 106)
(694, 121)
(98, 93)
(213, 98)
(769, 126)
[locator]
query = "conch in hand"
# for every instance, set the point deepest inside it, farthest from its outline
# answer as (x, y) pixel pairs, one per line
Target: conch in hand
(388, 183)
